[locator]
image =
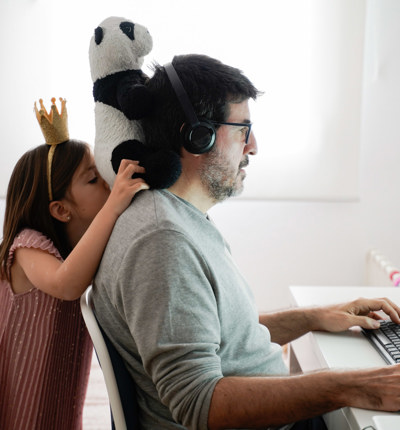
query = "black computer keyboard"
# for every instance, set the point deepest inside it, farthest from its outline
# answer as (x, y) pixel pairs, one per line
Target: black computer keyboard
(386, 340)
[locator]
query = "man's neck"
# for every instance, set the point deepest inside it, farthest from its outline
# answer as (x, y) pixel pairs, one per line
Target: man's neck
(192, 192)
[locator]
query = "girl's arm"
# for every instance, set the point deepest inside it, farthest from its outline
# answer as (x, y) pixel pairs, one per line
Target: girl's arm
(68, 280)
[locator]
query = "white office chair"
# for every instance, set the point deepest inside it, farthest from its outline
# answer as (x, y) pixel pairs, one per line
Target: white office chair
(104, 359)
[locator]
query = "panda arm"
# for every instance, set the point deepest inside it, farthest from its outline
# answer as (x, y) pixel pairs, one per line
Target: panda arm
(133, 97)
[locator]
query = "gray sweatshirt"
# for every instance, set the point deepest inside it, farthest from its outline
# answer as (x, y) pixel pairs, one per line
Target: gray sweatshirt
(173, 302)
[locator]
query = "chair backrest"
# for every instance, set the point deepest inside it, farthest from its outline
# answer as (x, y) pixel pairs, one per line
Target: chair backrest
(120, 385)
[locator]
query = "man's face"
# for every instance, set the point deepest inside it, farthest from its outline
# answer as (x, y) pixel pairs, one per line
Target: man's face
(222, 172)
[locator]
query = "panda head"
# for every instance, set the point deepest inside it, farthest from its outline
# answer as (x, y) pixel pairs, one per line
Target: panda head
(117, 45)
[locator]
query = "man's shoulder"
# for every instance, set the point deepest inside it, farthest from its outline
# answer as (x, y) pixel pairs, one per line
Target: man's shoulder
(151, 206)
(155, 217)
(155, 211)
(148, 203)
(151, 210)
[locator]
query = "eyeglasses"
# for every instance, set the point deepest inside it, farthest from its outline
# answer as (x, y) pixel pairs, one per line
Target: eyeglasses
(246, 127)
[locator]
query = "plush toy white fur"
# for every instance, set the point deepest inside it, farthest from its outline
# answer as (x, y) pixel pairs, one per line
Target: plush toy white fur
(116, 56)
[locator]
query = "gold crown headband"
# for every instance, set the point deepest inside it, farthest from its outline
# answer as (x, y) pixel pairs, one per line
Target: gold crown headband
(54, 126)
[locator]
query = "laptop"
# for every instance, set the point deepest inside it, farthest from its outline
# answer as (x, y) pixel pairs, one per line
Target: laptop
(386, 422)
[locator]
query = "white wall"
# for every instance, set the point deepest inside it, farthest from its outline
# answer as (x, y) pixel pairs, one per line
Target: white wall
(305, 54)
(278, 244)
(282, 243)
(380, 161)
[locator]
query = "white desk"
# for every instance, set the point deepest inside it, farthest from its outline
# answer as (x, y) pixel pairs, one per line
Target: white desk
(349, 349)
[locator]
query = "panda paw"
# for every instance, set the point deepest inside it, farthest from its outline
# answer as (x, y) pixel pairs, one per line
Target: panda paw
(162, 167)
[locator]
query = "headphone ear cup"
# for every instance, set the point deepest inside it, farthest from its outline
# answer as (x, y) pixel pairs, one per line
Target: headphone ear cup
(200, 138)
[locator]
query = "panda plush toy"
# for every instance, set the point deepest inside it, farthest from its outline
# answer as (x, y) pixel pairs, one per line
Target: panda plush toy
(116, 54)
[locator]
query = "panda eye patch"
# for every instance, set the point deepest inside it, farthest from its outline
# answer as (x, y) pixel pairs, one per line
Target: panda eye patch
(128, 28)
(98, 35)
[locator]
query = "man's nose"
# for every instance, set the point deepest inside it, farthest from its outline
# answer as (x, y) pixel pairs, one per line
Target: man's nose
(251, 147)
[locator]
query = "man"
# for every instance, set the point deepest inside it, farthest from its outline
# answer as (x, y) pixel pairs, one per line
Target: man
(172, 301)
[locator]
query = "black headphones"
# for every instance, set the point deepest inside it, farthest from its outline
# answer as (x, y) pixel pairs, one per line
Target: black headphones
(198, 134)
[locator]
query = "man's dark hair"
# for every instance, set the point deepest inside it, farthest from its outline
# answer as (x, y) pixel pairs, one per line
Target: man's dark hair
(210, 85)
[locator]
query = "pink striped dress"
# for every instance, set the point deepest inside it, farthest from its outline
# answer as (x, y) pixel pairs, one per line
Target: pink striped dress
(45, 354)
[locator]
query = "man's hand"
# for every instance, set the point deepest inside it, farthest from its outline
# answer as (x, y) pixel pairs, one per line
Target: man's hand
(361, 312)
(286, 326)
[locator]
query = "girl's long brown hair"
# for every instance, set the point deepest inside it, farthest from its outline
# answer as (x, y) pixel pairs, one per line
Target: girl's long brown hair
(27, 200)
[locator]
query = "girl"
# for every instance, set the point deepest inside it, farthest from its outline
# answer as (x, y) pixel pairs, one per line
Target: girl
(48, 257)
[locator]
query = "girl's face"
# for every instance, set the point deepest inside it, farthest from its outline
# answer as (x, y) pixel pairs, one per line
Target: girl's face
(87, 193)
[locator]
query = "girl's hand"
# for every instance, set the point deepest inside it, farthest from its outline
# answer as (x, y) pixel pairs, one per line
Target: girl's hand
(125, 187)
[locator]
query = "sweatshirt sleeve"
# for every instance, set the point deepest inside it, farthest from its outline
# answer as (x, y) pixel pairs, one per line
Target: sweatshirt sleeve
(168, 301)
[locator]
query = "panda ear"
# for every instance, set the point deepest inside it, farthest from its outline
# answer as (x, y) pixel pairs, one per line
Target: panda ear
(98, 35)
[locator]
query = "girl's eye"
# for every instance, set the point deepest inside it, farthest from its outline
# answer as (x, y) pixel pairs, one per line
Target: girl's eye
(94, 180)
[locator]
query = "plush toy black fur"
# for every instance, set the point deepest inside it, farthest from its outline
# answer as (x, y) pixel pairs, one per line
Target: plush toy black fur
(124, 91)
(162, 167)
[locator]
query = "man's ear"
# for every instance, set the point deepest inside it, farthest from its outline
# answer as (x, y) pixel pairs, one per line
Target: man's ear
(59, 211)
(186, 154)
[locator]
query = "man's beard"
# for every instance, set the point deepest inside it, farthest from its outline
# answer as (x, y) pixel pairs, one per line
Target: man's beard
(220, 178)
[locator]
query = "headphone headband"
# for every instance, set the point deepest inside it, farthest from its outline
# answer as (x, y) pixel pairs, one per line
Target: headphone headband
(181, 94)
(198, 135)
